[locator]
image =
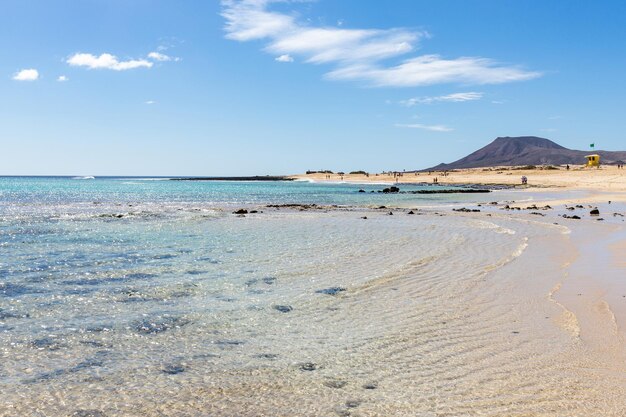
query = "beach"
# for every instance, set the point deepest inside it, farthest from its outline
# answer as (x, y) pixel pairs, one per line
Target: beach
(606, 179)
(124, 297)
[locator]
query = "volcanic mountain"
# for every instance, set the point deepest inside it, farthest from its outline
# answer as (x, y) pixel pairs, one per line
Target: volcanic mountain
(527, 150)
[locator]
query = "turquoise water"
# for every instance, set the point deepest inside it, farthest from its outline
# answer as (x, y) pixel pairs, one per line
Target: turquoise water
(65, 191)
(142, 297)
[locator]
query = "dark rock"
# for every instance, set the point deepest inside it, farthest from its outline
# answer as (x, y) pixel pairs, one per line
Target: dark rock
(9, 315)
(382, 207)
(173, 369)
(493, 203)
(466, 210)
(331, 290)
(48, 343)
(579, 206)
(283, 308)
(308, 366)
(370, 385)
(391, 189)
(571, 217)
(353, 403)
(570, 208)
(364, 217)
(15, 290)
(269, 280)
(253, 211)
(537, 213)
(391, 213)
(595, 212)
(159, 324)
(361, 190)
(267, 355)
(449, 191)
(411, 212)
(241, 211)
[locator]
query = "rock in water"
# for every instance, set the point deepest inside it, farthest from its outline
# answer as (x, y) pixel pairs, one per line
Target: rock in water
(283, 308)
(331, 290)
(308, 366)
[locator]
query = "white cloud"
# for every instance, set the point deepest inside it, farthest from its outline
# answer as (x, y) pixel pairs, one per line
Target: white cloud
(62, 78)
(359, 54)
(149, 102)
(106, 61)
(161, 57)
(433, 128)
(284, 58)
(158, 56)
(455, 98)
(30, 74)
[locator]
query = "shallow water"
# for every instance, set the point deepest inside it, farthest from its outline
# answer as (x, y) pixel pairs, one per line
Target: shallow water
(181, 308)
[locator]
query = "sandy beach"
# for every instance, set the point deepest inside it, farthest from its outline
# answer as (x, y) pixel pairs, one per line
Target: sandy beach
(606, 179)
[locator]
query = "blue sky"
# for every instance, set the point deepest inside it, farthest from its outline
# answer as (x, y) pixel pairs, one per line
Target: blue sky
(117, 87)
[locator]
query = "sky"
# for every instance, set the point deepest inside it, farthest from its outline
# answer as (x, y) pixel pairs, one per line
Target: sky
(260, 87)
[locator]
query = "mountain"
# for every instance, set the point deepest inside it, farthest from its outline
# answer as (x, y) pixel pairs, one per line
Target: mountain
(527, 150)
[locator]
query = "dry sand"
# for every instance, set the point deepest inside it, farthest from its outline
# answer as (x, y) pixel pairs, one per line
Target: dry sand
(599, 182)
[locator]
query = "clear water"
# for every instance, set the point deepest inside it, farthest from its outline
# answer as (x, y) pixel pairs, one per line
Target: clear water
(181, 308)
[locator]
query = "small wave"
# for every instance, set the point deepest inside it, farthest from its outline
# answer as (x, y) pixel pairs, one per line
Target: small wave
(88, 177)
(567, 320)
(143, 179)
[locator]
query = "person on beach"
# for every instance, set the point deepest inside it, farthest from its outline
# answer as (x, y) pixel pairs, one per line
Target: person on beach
(524, 180)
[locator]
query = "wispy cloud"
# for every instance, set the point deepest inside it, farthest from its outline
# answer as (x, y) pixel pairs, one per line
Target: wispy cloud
(284, 58)
(454, 98)
(29, 74)
(433, 128)
(62, 78)
(161, 57)
(106, 61)
(149, 102)
(158, 56)
(359, 54)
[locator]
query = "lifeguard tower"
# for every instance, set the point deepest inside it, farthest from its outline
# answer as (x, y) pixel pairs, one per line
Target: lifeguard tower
(593, 160)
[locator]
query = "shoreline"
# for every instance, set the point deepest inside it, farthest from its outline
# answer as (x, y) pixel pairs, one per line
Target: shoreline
(605, 178)
(502, 296)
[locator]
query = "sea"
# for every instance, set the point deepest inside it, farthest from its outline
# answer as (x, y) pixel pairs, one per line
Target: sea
(126, 296)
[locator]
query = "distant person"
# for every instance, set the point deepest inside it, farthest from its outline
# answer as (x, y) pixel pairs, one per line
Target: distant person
(567, 167)
(524, 180)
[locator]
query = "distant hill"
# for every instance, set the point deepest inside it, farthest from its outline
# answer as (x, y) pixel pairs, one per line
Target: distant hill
(527, 150)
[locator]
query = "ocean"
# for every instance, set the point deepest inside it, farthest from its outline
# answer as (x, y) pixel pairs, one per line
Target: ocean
(149, 297)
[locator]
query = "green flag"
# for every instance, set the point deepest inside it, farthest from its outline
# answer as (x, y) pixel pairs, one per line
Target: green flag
(592, 145)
